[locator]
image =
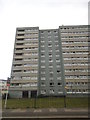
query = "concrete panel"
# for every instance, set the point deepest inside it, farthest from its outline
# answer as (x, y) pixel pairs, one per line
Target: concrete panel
(15, 94)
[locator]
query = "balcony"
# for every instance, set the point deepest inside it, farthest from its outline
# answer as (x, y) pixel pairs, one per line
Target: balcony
(13, 88)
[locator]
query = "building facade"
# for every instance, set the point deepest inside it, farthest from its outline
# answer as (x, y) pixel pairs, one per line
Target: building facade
(51, 76)
(24, 74)
(75, 44)
(51, 62)
(3, 87)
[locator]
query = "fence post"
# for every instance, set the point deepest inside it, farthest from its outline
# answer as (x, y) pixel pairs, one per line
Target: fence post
(65, 101)
(35, 99)
(5, 105)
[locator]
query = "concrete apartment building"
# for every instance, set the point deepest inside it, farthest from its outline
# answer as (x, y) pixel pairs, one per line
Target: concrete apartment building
(3, 87)
(24, 74)
(75, 52)
(51, 74)
(51, 62)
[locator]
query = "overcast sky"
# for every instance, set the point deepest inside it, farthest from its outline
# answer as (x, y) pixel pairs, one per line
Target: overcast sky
(29, 13)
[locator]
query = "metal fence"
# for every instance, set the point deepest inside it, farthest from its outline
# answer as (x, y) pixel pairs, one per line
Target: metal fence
(47, 102)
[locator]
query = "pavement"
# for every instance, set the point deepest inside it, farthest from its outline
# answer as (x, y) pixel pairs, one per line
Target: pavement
(45, 113)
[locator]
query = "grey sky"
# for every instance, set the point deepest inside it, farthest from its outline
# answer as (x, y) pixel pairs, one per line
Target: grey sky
(42, 13)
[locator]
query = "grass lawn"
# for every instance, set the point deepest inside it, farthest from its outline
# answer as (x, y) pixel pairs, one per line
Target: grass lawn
(51, 102)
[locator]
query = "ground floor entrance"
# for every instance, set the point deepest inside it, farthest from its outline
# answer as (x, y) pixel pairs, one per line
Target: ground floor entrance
(33, 94)
(25, 94)
(29, 94)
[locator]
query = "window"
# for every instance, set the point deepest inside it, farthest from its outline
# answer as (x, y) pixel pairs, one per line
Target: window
(50, 66)
(27, 71)
(60, 91)
(57, 60)
(42, 78)
(49, 31)
(56, 45)
(42, 32)
(34, 71)
(59, 84)
(50, 60)
(17, 77)
(57, 50)
(51, 91)
(49, 45)
(51, 72)
(57, 55)
(18, 59)
(58, 71)
(42, 46)
(19, 54)
(58, 66)
(56, 41)
(26, 78)
(43, 56)
(33, 84)
(78, 91)
(27, 39)
(33, 78)
(27, 64)
(42, 41)
(19, 48)
(50, 50)
(58, 78)
(20, 30)
(49, 36)
(17, 65)
(49, 41)
(42, 36)
(42, 51)
(50, 55)
(42, 72)
(51, 78)
(42, 61)
(43, 91)
(51, 84)
(16, 70)
(16, 84)
(55, 31)
(42, 66)
(42, 84)
(20, 34)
